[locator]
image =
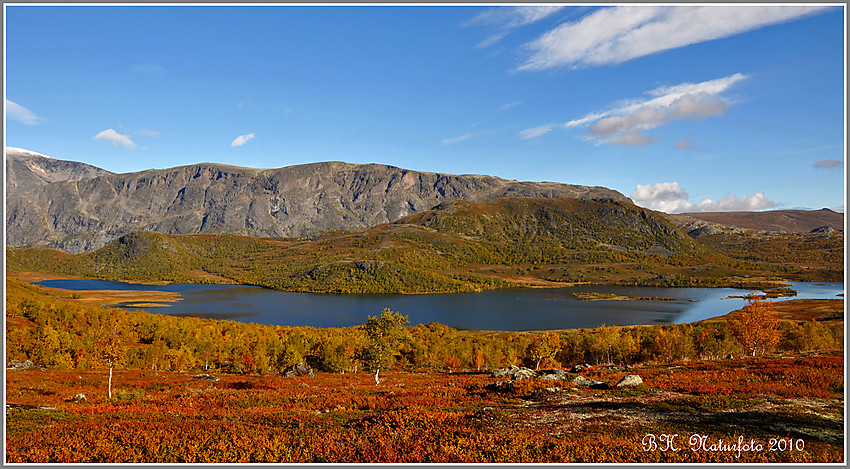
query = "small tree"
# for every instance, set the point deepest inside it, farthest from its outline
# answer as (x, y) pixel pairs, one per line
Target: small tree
(754, 327)
(382, 337)
(479, 359)
(605, 340)
(544, 346)
(111, 350)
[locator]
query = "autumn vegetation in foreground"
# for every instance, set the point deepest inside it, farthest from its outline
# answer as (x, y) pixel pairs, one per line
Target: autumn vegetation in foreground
(433, 400)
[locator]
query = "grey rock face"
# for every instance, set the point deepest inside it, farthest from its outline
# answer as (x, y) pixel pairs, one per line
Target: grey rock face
(82, 215)
(27, 170)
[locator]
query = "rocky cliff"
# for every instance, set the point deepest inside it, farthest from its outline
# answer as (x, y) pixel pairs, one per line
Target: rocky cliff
(27, 170)
(81, 215)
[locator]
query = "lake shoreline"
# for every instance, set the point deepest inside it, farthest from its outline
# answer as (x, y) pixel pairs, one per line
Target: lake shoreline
(515, 309)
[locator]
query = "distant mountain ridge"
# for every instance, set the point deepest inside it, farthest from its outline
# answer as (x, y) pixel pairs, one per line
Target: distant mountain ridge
(85, 213)
(792, 221)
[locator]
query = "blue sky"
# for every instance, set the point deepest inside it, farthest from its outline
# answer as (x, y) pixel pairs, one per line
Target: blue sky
(683, 108)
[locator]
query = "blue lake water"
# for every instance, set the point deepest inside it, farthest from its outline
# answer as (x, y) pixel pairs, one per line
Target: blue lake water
(506, 310)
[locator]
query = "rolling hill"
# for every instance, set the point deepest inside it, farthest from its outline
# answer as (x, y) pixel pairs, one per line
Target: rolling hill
(457, 246)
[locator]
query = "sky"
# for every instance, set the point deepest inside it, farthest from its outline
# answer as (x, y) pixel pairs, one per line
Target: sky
(689, 107)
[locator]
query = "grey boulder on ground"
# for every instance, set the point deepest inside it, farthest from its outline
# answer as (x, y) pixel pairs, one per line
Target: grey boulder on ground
(629, 381)
(207, 377)
(590, 383)
(514, 372)
(553, 375)
(19, 365)
(298, 369)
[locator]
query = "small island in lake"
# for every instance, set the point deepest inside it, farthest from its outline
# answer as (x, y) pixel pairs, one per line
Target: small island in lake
(593, 296)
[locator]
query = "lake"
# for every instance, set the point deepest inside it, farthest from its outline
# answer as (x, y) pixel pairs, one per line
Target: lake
(506, 310)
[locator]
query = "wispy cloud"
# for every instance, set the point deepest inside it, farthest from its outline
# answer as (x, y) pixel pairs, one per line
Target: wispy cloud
(452, 141)
(535, 132)
(669, 197)
(624, 122)
(148, 133)
(150, 69)
(242, 140)
(512, 17)
(828, 164)
(507, 106)
(16, 112)
(613, 35)
(110, 135)
(508, 19)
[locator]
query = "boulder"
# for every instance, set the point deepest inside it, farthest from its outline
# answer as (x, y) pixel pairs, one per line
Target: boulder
(207, 377)
(504, 371)
(629, 381)
(580, 368)
(514, 372)
(298, 369)
(553, 375)
(19, 365)
(500, 386)
(590, 383)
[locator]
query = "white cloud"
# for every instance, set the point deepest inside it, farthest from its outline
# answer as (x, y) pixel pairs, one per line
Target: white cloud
(535, 132)
(624, 121)
(111, 135)
(491, 40)
(242, 140)
(452, 141)
(509, 18)
(19, 113)
(617, 34)
(669, 197)
(512, 17)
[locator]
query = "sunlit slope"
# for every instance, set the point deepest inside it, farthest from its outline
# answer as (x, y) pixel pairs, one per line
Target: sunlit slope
(457, 246)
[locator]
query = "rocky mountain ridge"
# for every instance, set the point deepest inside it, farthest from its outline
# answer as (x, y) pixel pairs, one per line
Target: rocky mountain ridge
(83, 214)
(27, 170)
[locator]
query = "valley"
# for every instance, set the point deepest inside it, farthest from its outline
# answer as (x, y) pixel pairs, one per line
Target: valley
(440, 397)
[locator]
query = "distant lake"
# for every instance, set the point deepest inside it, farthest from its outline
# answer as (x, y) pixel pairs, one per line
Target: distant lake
(506, 310)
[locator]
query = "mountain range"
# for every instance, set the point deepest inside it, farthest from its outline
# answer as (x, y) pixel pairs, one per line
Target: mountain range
(75, 207)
